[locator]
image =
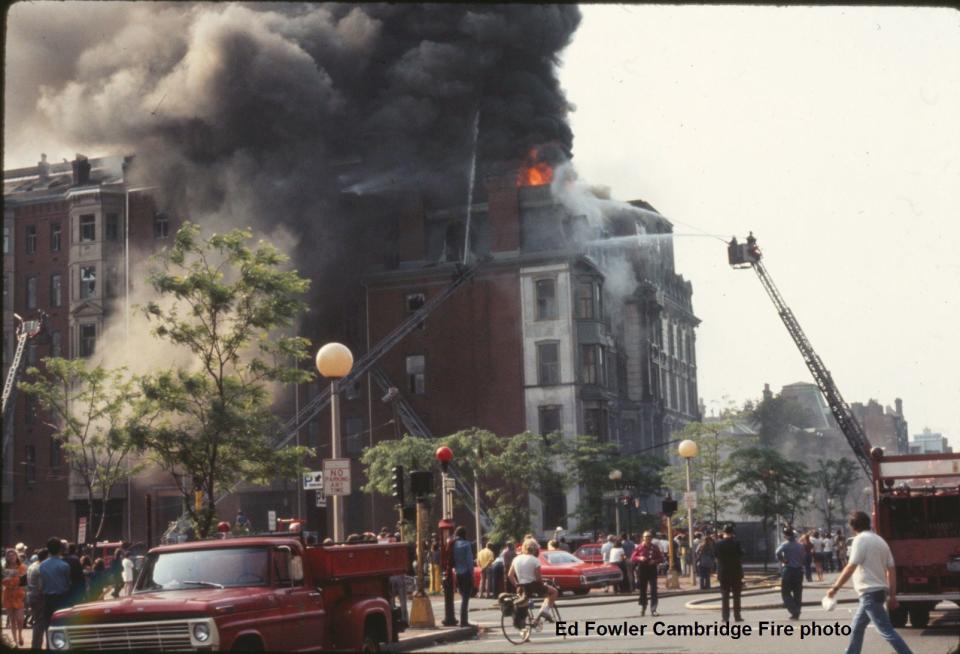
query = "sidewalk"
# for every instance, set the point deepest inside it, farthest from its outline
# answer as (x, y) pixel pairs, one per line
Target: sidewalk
(412, 639)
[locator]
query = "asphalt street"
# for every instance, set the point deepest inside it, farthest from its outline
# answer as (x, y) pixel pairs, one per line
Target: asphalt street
(598, 613)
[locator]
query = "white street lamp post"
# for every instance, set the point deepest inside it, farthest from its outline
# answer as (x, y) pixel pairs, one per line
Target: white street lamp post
(334, 361)
(615, 477)
(688, 449)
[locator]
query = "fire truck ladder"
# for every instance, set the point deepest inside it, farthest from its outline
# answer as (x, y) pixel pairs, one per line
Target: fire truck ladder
(26, 329)
(847, 422)
(416, 427)
(289, 429)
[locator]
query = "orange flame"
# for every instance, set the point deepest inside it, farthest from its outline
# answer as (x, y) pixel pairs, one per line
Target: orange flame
(535, 173)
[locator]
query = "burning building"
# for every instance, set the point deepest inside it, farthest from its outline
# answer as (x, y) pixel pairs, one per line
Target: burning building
(386, 148)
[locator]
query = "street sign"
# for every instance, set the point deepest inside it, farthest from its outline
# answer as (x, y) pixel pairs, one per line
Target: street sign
(690, 499)
(449, 483)
(82, 530)
(313, 480)
(321, 499)
(271, 520)
(336, 475)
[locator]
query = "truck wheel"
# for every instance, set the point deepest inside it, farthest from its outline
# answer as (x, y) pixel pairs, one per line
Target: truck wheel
(247, 644)
(370, 645)
(581, 591)
(898, 617)
(919, 616)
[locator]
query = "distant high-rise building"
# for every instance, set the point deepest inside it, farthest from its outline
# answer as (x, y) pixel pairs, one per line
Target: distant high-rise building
(929, 442)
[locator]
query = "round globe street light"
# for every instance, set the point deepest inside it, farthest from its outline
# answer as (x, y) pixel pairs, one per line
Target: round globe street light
(334, 361)
(689, 449)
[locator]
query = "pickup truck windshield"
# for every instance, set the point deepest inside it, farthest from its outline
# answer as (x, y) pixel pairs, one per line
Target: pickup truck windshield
(219, 568)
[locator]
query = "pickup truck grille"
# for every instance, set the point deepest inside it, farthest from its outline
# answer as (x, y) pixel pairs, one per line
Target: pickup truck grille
(173, 636)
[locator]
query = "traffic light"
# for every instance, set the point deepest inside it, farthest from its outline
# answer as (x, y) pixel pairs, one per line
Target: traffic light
(398, 484)
(669, 506)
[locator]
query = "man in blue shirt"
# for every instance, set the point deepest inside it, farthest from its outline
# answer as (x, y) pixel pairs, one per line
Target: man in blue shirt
(463, 564)
(54, 582)
(791, 555)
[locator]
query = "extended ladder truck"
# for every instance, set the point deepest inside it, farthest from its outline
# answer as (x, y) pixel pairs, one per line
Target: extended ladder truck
(916, 497)
(25, 331)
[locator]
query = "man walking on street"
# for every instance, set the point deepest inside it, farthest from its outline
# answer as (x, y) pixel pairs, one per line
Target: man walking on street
(871, 565)
(54, 582)
(485, 559)
(729, 555)
(463, 564)
(791, 554)
(647, 556)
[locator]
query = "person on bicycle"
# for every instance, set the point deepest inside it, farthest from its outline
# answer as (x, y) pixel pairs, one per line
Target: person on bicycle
(525, 573)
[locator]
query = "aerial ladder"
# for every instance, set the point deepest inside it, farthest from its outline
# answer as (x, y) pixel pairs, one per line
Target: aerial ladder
(25, 330)
(748, 255)
(415, 426)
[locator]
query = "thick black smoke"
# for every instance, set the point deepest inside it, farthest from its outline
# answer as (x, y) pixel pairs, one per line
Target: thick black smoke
(270, 114)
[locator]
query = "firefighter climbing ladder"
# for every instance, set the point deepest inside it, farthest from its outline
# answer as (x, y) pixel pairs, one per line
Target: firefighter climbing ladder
(748, 255)
(26, 329)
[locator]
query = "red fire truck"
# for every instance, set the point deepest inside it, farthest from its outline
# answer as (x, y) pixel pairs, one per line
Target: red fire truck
(259, 593)
(917, 511)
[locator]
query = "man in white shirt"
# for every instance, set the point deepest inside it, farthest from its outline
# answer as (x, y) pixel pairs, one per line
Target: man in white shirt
(127, 575)
(827, 550)
(525, 573)
(871, 565)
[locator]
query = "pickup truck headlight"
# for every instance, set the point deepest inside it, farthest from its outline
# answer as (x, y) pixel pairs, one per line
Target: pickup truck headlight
(201, 632)
(58, 639)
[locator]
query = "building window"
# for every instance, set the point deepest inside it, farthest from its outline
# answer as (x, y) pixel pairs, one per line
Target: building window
(416, 367)
(161, 225)
(88, 227)
(111, 227)
(31, 354)
(56, 290)
(414, 302)
(551, 419)
(111, 285)
(595, 420)
(54, 237)
(88, 281)
(88, 339)
(546, 299)
(353, 434)
(592, 365)
(56, 347)
(548, 364)
(31, 239)
(554, 510)
(31, 292)
(56, 452)
(30, 463)
(6, 240)
(588, 300)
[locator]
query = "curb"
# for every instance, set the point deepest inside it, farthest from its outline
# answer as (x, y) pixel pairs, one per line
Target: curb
(702, 605)
(434, 638)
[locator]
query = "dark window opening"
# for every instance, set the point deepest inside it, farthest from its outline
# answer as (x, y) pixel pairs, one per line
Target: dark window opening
(593, 369)
(415, 302)
(161, 225)
(31, 292)
(595, 421)
(546, 299)
(31, 239)
(88, 339)
(54, 237)
(551, 420)
(548, 364)
(56, 452)
(88, 228)
(554, 511)
(56, 290)
(30, 463)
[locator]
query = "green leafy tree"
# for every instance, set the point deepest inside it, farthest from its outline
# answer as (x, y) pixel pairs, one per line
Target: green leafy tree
(769, 486)
(590, 461)
(834, 479)
(710, 468)
(95, 414)
(505, 468)
(227, 303)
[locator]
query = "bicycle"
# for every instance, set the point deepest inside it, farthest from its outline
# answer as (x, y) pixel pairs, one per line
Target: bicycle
(520, 618)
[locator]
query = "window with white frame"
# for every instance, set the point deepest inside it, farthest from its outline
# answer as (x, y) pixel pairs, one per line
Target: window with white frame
(546, 292)
(56, 290)
(161, 225)
(31, 235)
(88, 228)
(88, 339)
(32, 292)
(88, 281)
(54, 237)
(548, 363)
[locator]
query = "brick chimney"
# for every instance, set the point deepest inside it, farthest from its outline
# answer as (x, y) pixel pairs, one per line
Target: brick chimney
(81, 170)
(43, 169)
(767, 393)
(503, 202)
(899, 404)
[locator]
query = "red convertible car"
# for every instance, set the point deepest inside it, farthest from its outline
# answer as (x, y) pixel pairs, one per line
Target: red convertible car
(570, 574)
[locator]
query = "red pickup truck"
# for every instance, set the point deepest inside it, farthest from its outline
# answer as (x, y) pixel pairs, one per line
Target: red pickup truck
(258, 593)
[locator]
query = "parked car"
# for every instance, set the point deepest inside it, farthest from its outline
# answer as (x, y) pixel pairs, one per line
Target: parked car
(570, 573)
(589, 552)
